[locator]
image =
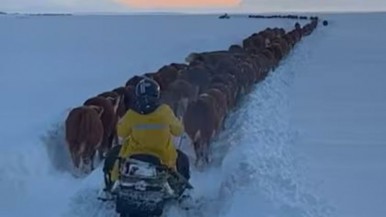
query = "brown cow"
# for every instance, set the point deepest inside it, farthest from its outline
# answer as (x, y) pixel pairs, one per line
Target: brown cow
(277, 52)
(125, 97)
(178, 95)
(233, 66)
(231, 82)
(114, 98)
(251, 50)
(149, 74)
(200, 125)
(278, 31)
(235, 48)
(258, 66)
(247, 68)
(166, 75)
(219, 61)
(270, 58)
(197, 75)
(221, 107)
(264, 61)
(133, 81)
(283, 44)
(209, 58)
(226, 91)
(307, 29)
(109, 120)
(130, 97)
(267, 33)
(289, 39)
(179, 66)
(84, 135)
(158, 78)
(296, 34)
(249, 76)
(256, 41)
(297, 25)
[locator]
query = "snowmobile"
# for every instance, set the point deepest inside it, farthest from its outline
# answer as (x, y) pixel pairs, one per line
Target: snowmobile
(224, 16)
(145, 186)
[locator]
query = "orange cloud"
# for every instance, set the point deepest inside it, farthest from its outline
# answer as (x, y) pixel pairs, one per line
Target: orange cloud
(179, 3)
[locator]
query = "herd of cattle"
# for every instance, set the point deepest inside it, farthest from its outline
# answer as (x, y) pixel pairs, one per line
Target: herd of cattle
(296, 17)
(201, 92)
(278, 16)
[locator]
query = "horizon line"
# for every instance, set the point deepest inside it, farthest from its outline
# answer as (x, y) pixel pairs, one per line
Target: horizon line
(198, 12)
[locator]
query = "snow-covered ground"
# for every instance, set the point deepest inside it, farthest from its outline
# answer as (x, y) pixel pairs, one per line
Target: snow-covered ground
(338, 103)
(49, 64)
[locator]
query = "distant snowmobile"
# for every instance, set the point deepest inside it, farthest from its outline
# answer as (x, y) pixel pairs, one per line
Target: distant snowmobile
(225, 16)
(145, 187)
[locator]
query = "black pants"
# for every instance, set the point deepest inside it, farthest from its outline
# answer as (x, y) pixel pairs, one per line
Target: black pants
(183, 165)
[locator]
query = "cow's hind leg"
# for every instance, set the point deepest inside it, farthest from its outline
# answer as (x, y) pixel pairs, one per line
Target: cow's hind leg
(198, 149)
(206, 152)
(200, 157)
(103, 146)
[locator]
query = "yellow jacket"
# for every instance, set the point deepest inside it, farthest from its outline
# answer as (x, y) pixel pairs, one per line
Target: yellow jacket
(149, 134)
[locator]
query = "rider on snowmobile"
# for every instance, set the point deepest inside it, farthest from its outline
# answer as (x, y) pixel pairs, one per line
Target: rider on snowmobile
(148, 129)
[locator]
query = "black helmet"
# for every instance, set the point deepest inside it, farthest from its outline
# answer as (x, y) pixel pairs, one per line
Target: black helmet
(147, 93)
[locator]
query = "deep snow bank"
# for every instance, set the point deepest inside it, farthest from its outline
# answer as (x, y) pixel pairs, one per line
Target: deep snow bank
(338, 103)
(261, 173)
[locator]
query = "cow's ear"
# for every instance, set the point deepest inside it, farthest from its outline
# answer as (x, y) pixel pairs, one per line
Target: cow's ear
(98, 109)
(117, 102)
(113, 100)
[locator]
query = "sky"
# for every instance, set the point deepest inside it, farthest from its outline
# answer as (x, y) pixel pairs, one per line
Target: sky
(190, 5)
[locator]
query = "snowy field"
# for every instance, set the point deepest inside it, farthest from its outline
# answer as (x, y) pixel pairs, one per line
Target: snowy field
(308, 141)
(338, 104)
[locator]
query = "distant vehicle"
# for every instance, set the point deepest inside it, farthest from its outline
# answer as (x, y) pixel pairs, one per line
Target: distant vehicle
(225, 16)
